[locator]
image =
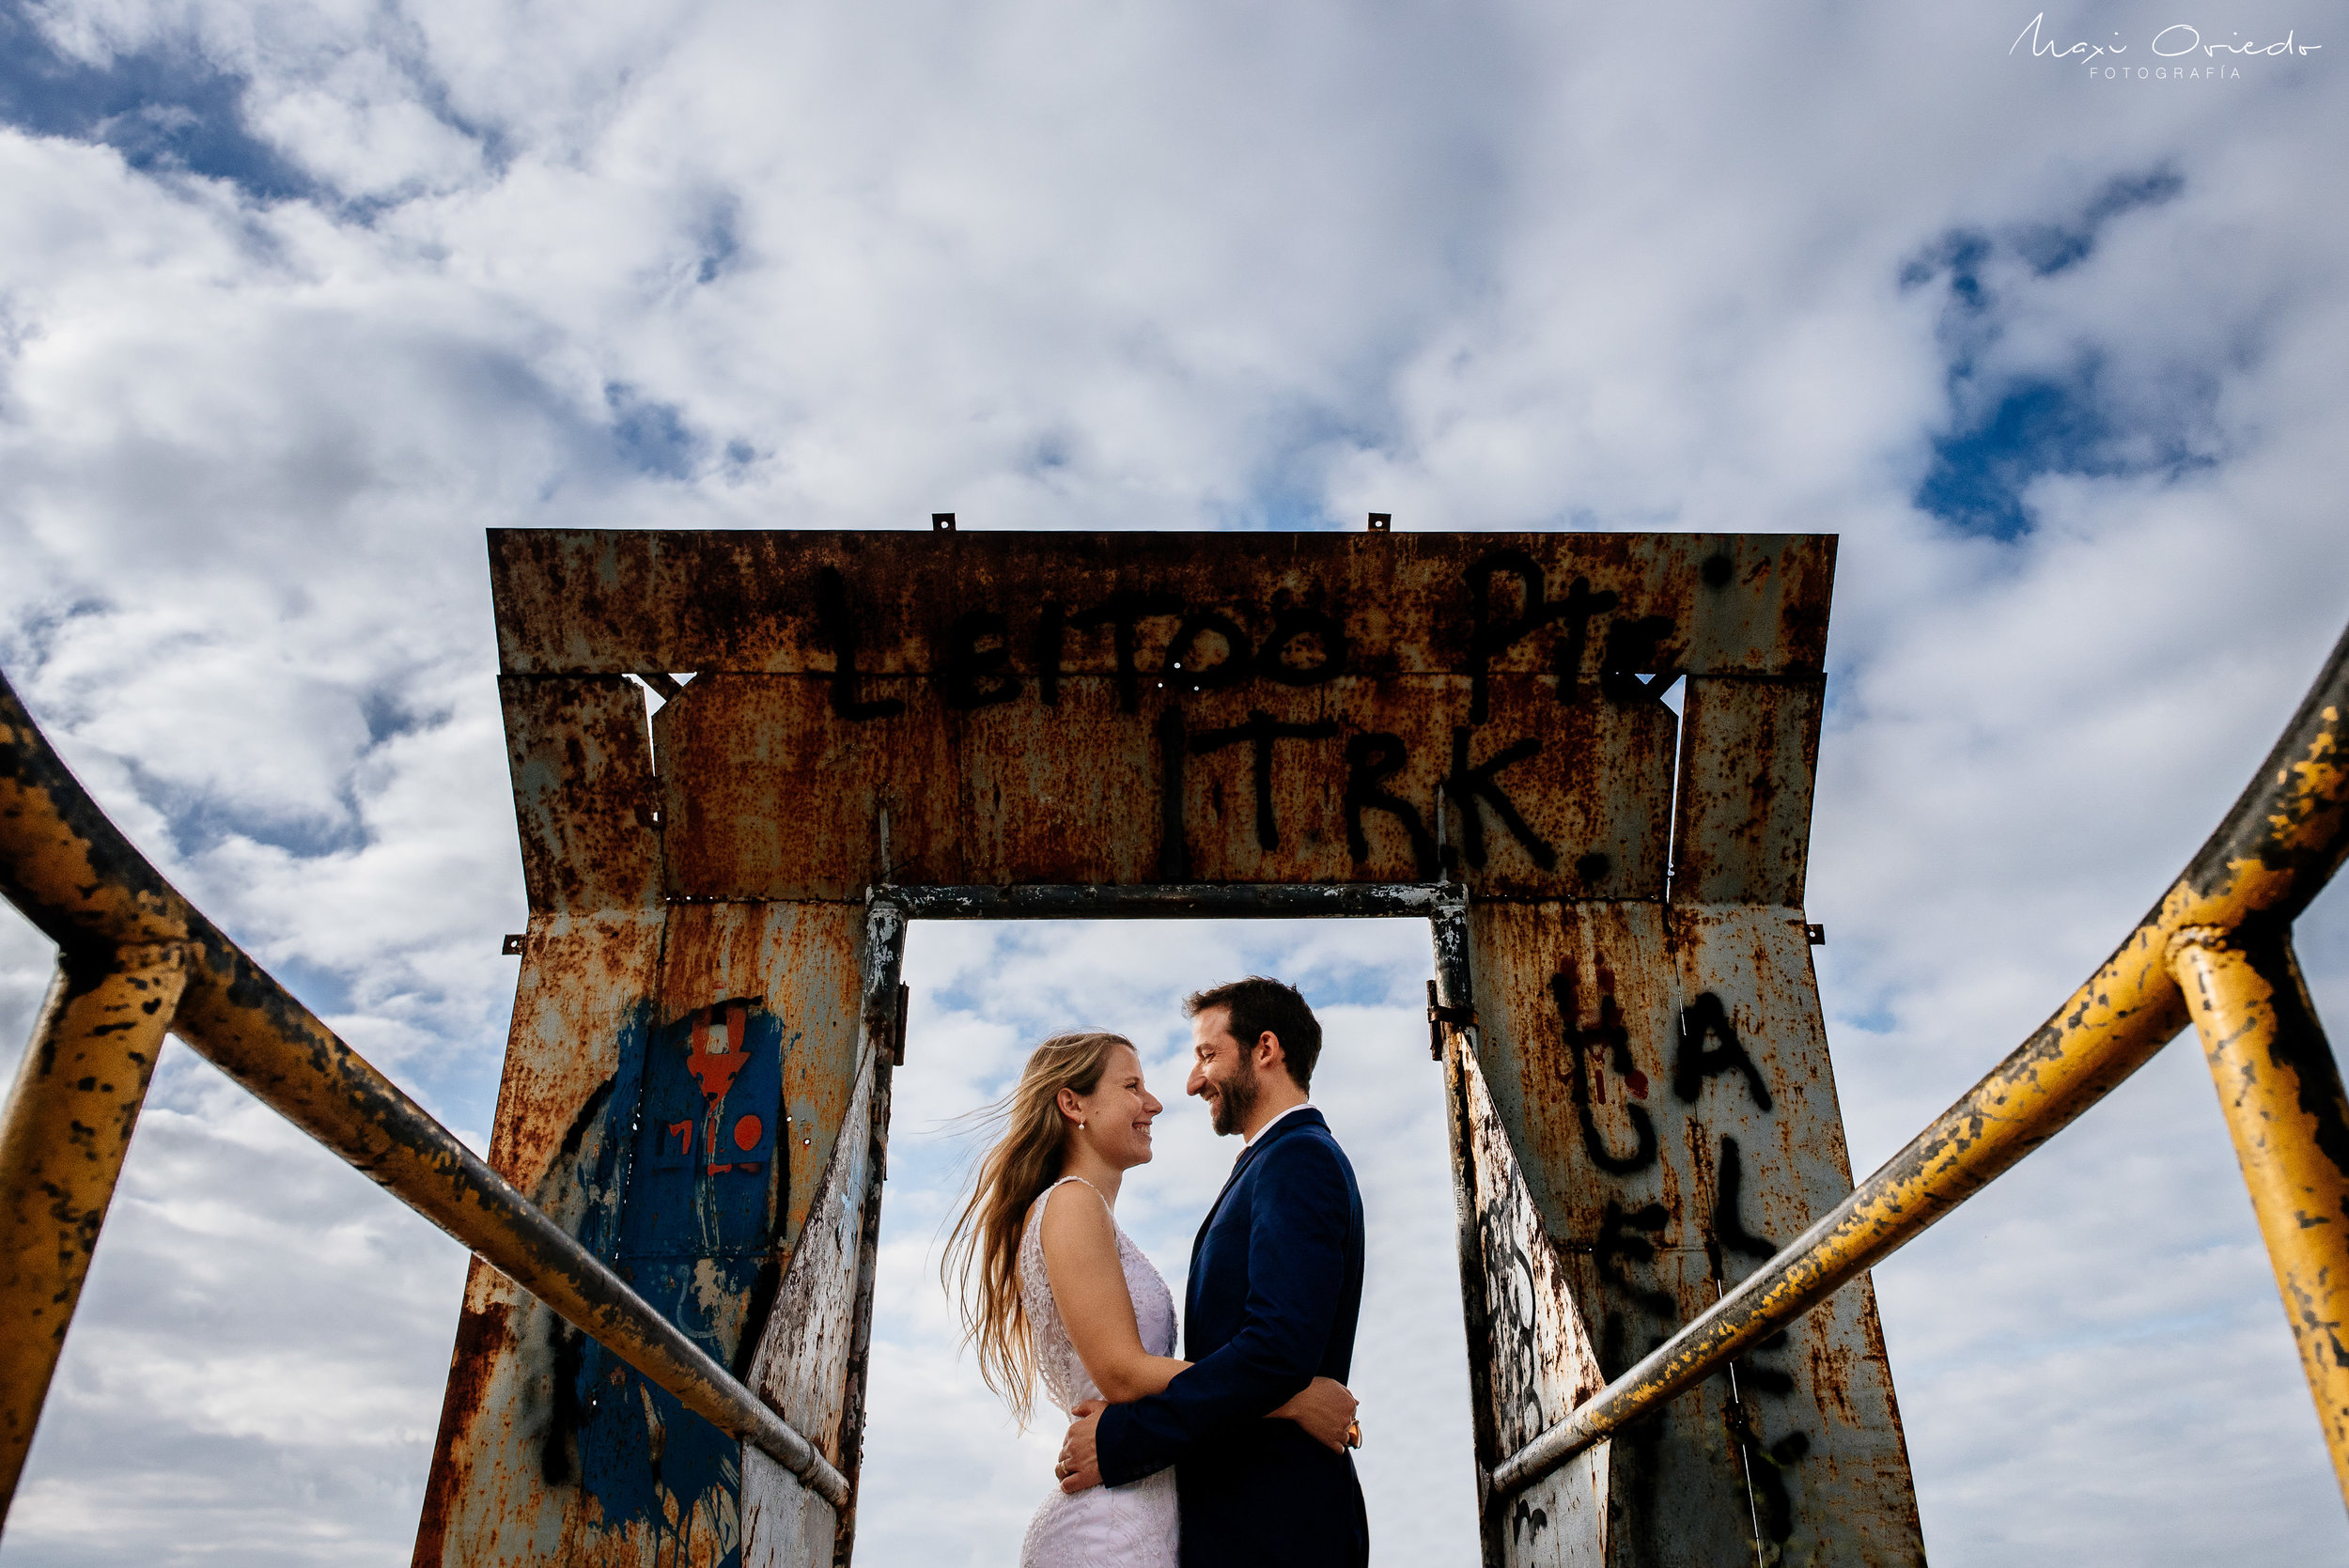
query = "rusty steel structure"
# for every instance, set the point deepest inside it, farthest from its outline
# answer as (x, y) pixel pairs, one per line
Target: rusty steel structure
(662, 1353)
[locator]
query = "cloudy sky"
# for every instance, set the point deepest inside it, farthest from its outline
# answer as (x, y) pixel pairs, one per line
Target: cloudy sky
(298, 298)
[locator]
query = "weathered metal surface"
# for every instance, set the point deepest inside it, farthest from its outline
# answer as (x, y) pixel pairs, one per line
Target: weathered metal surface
(1539, 1361)
(886, 1000)
(2289, 1119)
(1341, 781)
(1127, 710)
(962, 725)
(812, 1360)
(583, 793)
(70, 870)
(674, 1079)
(806, 960)
(801, 1362)
(1663, 1076)
(785, 1524)
(1452, 1025)
(1741, 828)
(1222, 901)
(1528, 1354)
(1529, 1357)
(67, 1126)
(503, 1486)
(581, 602)
(63, 865)
(1814, 1415)
(2284, 838)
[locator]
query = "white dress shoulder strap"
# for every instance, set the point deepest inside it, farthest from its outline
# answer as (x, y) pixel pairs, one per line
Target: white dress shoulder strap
(1081, 1182)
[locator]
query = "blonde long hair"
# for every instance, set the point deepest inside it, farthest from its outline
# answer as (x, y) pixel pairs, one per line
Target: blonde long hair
(981, 1268)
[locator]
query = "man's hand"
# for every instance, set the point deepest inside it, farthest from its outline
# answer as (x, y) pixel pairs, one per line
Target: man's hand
(1326, 1410)
(1080, 1466)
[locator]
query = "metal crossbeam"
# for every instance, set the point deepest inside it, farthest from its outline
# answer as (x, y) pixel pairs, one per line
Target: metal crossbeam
(1173, 901)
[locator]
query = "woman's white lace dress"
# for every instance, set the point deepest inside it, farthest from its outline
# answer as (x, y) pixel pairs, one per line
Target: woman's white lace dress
(1107, 1526)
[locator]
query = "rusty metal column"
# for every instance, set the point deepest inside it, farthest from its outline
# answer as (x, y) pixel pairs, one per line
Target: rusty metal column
(1454, 994)
(65, 1131)
(2281, 1092)
(885, 1003)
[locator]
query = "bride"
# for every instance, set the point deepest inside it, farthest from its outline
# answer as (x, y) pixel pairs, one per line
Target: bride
(1053, 1287)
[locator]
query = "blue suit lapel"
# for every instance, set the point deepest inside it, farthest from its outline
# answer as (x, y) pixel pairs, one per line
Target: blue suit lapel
(1199, 1240)
(1307, 1117)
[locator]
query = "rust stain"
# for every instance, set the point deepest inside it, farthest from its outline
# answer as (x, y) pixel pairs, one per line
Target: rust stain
(481, 1334)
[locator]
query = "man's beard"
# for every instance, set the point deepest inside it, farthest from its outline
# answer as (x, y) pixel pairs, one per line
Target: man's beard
(1234, 1099)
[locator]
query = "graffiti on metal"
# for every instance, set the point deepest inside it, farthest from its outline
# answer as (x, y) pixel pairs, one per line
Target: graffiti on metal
(978, 710)
(857, 729)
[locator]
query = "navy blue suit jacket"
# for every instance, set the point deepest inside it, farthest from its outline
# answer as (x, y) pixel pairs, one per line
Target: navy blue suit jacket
(1276, 1283)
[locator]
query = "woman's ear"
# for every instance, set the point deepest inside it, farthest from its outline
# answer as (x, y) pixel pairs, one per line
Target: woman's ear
(1070, 1105)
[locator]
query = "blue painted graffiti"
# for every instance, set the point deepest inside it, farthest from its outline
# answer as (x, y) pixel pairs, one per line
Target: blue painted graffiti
(691, 1153)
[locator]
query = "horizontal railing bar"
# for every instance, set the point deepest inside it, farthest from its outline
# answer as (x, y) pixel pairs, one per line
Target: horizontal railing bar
(2275, 850)
(70, 871)
(1159, 901)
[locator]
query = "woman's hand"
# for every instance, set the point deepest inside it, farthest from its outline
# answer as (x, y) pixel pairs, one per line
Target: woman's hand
(1324, 1410)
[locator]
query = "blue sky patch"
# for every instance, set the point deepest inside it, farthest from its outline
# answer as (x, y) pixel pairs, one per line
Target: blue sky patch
(2052, 248)
(1978, 475)
(164, 107)
(653, 437)
(2009, 428)
(717, 241)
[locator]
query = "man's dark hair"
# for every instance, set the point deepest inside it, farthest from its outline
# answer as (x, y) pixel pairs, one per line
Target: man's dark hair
(1260, 1006)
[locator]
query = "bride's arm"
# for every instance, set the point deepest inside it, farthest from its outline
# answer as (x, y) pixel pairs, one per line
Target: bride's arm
(1089, 1288)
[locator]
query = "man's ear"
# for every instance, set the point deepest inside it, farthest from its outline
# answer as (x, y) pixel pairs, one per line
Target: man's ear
(1269, 1053)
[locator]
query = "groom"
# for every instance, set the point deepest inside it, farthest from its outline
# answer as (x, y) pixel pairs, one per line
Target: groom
(1276, 1283)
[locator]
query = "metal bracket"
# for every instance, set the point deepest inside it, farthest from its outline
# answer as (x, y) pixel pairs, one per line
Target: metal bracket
(513, 948)
(1816, 934)
(1441, 1018)
(942, 523)
(1381, 523)
(897, 1030)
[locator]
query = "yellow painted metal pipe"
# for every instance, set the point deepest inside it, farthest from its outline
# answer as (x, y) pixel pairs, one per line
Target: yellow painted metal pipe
(62, 1139)
(2283, 840)
(2281, 1091)
(70, 871)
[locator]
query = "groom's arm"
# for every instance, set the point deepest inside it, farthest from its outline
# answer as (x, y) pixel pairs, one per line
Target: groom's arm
(1296, 1269)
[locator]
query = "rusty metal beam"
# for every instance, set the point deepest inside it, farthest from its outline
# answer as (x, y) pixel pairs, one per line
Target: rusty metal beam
(62, 1140)
(2281, 1092)
(2275, 850)
(585, 601)
(73, 873)
(1212, 901)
